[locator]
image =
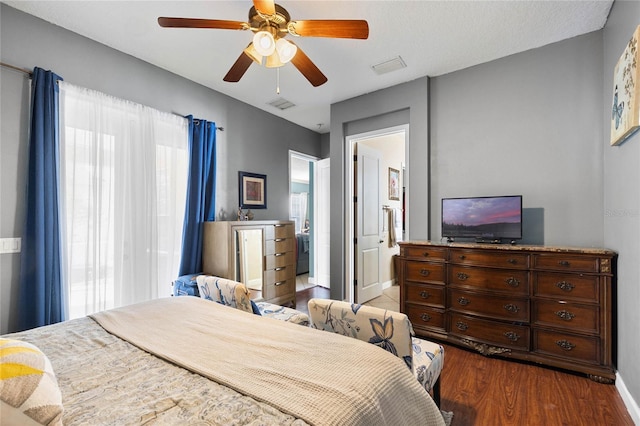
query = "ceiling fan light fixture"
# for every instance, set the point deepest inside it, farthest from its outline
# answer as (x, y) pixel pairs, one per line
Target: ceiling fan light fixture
(264, 43)
(286, 50)
(253, 54)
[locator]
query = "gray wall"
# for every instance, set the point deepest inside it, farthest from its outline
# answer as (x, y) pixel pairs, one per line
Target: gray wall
(535, 124)
(402, 104)
(527, 124)
(251, 140)
(622, 200)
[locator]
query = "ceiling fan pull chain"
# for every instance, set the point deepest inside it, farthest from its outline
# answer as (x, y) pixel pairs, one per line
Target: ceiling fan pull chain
(278, 80)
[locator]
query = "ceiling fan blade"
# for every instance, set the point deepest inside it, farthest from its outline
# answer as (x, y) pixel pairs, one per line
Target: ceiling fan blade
(311, 72)
(331, 28)
(266, 7)
(202, 23)
(238, 68)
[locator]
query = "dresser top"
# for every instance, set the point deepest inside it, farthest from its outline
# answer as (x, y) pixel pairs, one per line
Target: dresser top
(514, 247)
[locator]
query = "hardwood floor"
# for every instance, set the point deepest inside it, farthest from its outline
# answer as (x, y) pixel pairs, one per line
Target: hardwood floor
(493, 392)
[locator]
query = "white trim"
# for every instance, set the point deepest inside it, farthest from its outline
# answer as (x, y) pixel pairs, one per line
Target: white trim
(388, 284)
(349, 146)
(629, 402)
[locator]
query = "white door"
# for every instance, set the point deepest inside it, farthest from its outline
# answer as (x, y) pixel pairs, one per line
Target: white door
(368, 225)
(322, 211)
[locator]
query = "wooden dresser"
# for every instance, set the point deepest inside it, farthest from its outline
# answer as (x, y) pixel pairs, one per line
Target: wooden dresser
(224, 255)
(549, 305)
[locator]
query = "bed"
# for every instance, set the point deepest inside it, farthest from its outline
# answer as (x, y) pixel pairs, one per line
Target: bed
(186, 360)
(302, 254)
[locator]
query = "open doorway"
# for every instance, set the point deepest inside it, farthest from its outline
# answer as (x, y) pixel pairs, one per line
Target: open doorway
(376, 193)
(306, 174)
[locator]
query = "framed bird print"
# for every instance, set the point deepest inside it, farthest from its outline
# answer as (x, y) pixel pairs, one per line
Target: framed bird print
(625, 105)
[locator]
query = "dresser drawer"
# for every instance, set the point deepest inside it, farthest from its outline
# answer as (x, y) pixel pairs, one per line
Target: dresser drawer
(280, 273)
(423, 252)
(496, 333)
(278, 260)
(490, 305)
(569, 316)
(425, 272)
(571, 347)
(493, 259)
(565, 262)
(566, 286)
(425, 317)
(281, 288)
(503, 280)
(279, 245)
(425, 294)
(285, 230)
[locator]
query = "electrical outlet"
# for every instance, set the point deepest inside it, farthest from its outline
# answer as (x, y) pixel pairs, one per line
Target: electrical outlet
(10, 245)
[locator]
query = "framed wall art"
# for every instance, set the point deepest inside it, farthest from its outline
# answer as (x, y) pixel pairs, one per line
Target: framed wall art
(394, 184)
(253, 190)
(625, 107)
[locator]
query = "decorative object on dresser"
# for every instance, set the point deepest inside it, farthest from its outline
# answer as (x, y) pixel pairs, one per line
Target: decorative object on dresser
(259, 253)
(549, 305)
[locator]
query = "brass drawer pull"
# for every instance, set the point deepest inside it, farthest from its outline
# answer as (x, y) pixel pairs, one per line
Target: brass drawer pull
(565, 315)
(279, 254)
(514, 337)
(280, 283)
(280, 268)
(512, 261)
(278, 225)
(564, 263)
(462, 257)
(462, 326)
(565, 286)
(424, 294)
(565, 344)
(511, 308)
(463, 301)
(424, 272)
(462, 276)
(425, 317)
(511, 281)
(277, 240)
(425, 254)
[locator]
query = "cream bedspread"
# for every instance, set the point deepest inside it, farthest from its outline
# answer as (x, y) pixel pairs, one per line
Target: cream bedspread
(320, 377)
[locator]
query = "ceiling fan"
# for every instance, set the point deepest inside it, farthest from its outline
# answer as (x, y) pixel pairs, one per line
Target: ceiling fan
(270, 24)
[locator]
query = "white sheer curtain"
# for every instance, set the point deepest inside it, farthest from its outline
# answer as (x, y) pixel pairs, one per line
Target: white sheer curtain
(299, 209)
(124, 180)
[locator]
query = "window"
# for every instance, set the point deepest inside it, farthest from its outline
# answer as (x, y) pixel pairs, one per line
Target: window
(123, 185)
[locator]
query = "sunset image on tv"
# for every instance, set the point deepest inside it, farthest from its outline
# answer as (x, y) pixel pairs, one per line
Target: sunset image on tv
(482, 217)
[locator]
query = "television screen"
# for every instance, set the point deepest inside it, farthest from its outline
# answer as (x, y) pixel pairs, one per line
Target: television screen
(483, 218)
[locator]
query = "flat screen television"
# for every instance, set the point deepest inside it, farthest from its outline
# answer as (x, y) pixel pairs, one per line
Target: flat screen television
(486, 219)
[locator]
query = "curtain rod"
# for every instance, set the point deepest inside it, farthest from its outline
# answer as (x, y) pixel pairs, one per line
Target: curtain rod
(29, 73)
(13, 67)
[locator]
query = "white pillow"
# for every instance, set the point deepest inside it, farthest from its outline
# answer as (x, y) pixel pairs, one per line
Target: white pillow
(29, 392)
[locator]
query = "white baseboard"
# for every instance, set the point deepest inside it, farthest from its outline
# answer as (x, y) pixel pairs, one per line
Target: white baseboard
(388, 284)
(629, 402)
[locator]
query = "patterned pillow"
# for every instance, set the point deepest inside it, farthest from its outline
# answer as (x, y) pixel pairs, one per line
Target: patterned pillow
(29, 392)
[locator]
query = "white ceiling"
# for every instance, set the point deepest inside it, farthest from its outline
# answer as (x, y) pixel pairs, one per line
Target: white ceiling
(432, 37)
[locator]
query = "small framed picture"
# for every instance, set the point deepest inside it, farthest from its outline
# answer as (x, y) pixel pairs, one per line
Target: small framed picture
(394, 184)
(253, 190)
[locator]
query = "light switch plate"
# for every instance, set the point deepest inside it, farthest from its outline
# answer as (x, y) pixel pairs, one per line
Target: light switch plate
(10, 245)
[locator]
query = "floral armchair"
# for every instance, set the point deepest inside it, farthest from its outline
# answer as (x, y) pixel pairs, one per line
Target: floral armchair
(236, 295)
(391, 331)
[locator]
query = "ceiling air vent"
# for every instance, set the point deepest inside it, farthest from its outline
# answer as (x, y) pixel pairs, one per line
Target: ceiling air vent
(282, 103)
(388, 66)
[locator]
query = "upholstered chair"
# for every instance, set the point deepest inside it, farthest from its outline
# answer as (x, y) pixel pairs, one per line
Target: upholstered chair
(235, 294)
(391, 331)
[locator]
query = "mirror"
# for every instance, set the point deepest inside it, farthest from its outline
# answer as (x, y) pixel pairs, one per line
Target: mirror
(250, 258)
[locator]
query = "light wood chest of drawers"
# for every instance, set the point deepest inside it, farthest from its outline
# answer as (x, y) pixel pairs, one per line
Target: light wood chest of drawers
(549, 305)
(274, 257)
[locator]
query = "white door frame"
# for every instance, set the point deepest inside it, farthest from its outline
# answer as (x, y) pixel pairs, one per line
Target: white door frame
(313, 160)
(349, 193)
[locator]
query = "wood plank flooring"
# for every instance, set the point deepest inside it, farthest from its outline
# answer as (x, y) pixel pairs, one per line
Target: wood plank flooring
(492, 391)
